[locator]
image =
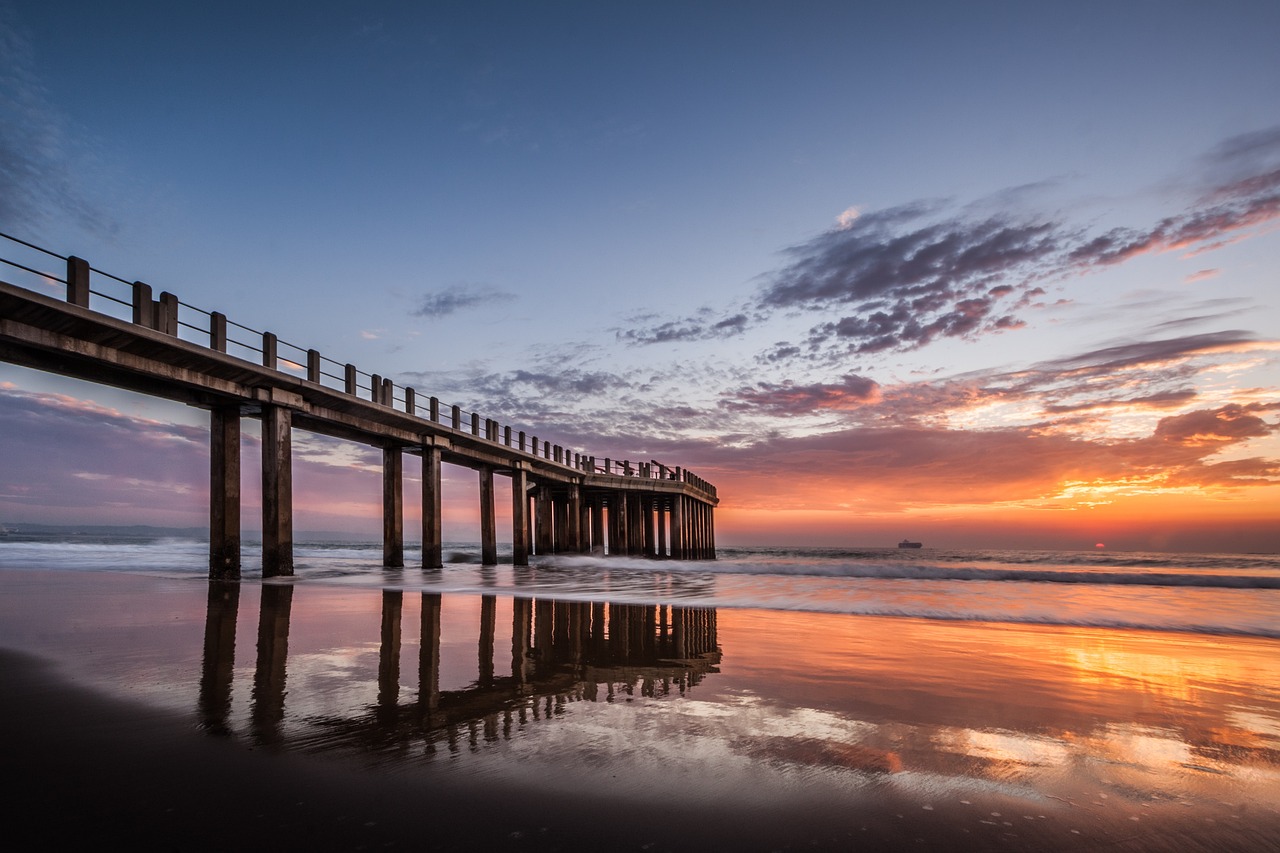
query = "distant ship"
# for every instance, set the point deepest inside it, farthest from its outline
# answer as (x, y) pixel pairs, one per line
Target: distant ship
(906, 544)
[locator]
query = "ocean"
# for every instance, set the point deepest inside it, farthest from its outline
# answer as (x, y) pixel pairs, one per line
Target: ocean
(772, 699)
(1216, 594)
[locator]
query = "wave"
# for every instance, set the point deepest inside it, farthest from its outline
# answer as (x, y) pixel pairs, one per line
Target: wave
(915, 571)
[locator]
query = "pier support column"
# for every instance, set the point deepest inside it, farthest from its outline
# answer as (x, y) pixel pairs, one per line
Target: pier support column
(520, 515)
(542, 522)
(224, 493)
(660, 511)
(597, 525)
(573, 520)
(488, 520)
(277, 491)
(392, 507)
(432, 551)
(650, 526)
(677, 528)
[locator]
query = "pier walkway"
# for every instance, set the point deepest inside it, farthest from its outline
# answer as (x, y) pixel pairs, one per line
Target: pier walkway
(80, 322)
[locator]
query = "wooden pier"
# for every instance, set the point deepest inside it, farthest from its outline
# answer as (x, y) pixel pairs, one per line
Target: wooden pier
(563, 501)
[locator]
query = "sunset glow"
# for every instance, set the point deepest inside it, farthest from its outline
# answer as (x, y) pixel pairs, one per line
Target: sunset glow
(1008, 312)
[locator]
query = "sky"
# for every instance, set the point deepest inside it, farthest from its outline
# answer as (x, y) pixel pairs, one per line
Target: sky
(980, 275)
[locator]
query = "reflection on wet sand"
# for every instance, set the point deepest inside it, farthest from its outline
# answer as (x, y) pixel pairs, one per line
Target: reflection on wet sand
(561, 652)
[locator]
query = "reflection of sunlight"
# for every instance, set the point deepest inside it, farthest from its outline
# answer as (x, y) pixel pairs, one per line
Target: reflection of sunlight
(1154, 750)
(1006, 746)
(1266, 729)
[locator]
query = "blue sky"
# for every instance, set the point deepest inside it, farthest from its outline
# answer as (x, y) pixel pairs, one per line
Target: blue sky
(810, 250)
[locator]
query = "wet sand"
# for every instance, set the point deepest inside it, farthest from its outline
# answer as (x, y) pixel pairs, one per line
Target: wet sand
(170, 715)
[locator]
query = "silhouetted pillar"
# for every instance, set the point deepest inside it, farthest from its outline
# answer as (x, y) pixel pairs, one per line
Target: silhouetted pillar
(277, 491)
(267, 705)
(622, 504)
(224, 493)
(429, 654)
(520, 515)
(650, 540)
(488, 627)
(488, 520)
(542, 520)
(597, 524)
(392, 507)
(432, 550)
(219, 655)
(573, 520)
(389, 652)
(677, 528)
(661, 520)
(521, 629)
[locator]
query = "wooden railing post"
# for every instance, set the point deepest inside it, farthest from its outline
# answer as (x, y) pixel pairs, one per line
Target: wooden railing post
(167, 314)
(217, 331)
(144, 307)
(78, 281)
(269, 350)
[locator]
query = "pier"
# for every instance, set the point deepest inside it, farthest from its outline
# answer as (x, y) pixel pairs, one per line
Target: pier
(78, 321)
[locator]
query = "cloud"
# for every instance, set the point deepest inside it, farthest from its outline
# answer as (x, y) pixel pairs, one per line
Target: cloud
(702, 327)
(450, 300)
(904, 277)
(788, 398)
(1201, 275)
(1216, 427)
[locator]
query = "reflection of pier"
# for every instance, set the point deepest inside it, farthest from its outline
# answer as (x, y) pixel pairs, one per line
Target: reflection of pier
(561, 653)
(106, 330)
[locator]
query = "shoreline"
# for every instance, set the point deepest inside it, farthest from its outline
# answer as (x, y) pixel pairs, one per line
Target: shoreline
(801, 731)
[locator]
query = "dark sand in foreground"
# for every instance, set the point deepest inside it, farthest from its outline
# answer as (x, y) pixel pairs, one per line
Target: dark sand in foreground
(799, 737)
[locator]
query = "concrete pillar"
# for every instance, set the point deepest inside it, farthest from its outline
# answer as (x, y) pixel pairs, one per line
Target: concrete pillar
(573, 520)
(597, 524)
(277, 491)
(432, 551)
(488, 520)
(349, 379)
(224, 493)
(313, 366)
(660, 513)
(622, 504)
(650, 537)
(520, 516)
(560, 525)
(542, 522)
(639, 545)
(584, 525)
(677, 528)
(392, 507)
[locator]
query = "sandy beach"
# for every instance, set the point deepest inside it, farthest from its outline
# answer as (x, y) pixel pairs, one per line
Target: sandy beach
(167, 713)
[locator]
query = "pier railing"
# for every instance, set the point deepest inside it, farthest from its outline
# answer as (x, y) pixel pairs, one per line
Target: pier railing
(136, 302)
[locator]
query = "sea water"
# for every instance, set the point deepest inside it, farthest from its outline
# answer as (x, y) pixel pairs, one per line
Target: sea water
(1217, 594)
